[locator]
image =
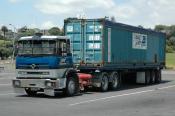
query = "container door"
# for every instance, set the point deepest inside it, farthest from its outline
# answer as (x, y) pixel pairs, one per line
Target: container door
(86, 40)
(92, 42)
(74, 32)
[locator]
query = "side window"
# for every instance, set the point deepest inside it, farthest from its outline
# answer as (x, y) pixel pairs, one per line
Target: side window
(58, 51)
(62, 48)
(20, 47)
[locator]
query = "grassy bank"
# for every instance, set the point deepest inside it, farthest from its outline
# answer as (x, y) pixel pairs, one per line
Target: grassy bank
(170, 60)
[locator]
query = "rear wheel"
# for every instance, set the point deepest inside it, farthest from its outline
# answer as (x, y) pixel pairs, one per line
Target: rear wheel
(30, 92)
(115, 81)
(153, 77)
(147, 78)
(104, 82)
(158, 78)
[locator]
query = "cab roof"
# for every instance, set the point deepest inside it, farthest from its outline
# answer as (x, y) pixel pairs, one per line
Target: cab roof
(44, 37)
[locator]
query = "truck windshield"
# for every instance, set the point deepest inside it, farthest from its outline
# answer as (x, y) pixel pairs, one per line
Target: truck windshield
(36, 47)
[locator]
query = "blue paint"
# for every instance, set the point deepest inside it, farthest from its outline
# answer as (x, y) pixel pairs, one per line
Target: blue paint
(42, 62)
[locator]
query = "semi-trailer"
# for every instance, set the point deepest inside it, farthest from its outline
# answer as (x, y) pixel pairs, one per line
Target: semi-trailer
(108, 49)
(92, 53)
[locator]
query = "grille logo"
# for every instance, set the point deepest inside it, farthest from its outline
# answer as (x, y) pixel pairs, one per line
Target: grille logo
(33, 66)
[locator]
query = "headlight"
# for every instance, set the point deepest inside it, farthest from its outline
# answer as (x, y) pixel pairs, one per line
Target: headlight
(50, 84)
(16, 83)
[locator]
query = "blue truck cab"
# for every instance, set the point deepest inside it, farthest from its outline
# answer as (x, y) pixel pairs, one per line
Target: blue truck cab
(44, 63)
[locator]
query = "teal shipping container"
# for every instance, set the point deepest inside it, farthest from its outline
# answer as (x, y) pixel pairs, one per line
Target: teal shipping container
(103, 43)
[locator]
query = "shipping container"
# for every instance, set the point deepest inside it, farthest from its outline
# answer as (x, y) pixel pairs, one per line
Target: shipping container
(100, 42)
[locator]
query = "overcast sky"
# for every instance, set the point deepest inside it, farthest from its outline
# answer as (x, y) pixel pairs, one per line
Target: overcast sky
(48, 13)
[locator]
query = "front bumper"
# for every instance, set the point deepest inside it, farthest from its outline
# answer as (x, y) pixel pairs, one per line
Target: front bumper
(47, 85)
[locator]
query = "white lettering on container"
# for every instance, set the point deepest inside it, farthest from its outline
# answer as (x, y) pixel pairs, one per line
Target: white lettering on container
(139, 41)
(69, 28)
(96, 28)
(94, 37)
(94, 45)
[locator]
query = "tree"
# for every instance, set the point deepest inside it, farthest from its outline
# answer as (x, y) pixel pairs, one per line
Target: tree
(140, 26)
(1, 37)
(172, 41)
(24, 31)
(160, 27)
(4, 29)
(172, 32)
(6, 49)
(55, 31)
(170, 36)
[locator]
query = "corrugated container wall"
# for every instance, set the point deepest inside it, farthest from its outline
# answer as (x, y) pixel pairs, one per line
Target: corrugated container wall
(99, 41)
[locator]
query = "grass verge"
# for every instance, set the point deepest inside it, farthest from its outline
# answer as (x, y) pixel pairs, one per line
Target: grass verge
(170, 60)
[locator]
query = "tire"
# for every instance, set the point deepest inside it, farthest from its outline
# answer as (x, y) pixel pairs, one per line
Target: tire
(30, 92)
(115, 81)
(72, 87)
(148, 78)
(158, 78)
(104, 82)
(153, 77)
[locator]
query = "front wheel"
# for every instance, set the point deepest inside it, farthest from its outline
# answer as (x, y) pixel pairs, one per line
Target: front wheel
(71, 87)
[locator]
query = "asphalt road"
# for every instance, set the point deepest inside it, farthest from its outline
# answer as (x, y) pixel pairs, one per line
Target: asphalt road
(131, 100)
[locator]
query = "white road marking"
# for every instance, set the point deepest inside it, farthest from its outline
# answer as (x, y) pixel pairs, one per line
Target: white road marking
(5, 78)
(160, 88)
(128, 94)
(6, 94)
(8, 84)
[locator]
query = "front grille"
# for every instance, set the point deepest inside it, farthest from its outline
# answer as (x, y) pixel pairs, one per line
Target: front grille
(35, 73)
(37, 66)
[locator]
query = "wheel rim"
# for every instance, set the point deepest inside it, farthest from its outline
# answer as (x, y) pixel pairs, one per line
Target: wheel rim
(104, 82)
(71, 87)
